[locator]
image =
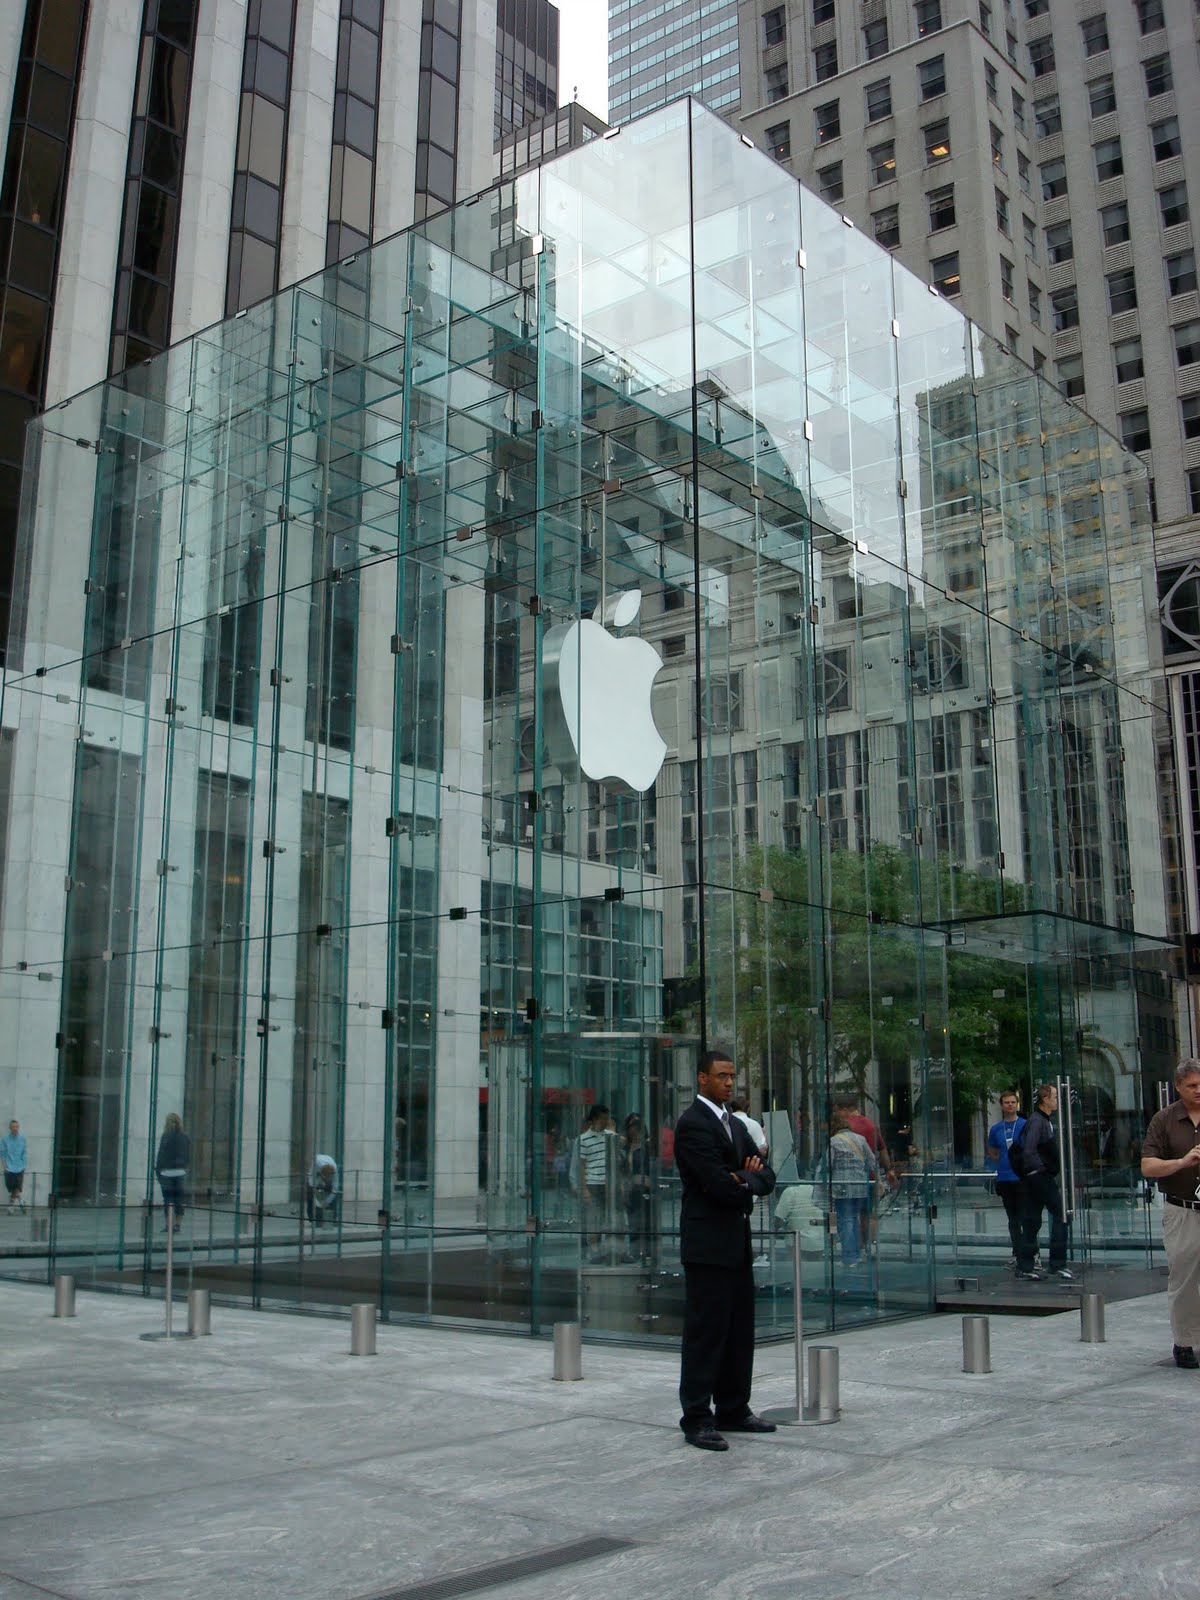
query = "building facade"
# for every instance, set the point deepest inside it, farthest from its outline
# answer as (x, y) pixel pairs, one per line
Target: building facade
(526, 63)
(624, 611)
(659, 51)
(160, 168)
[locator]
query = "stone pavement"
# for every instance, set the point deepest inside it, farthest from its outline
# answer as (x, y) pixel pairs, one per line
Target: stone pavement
(266, 1461)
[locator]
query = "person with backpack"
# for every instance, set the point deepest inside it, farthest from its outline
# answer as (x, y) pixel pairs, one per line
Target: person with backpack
(1002, 1136)
(1033, 1156)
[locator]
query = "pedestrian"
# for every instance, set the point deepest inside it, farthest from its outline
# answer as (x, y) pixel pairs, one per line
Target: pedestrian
(848, 1172)
(1171, 1157)
(882, 1162)
(1008, 1186)
(13, 1154)
(321, 1190)
(174, 1158)
(1040, 1190)
(596, 1149)
(741, 1110)
(635, 1162)
(721, 1173)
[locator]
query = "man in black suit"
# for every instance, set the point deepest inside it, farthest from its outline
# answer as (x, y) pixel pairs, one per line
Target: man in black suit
(721, 1172)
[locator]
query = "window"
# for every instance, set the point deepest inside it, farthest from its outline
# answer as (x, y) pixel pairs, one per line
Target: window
(825, 63)
(1010, 338)
(1047, 118)
(1194, 489)
(1006, 278)
(1181, 272)
(883, 162)
(1164, 138)
(1010, 45)
(1041, 56)
(1064, 309)
(941, 208)
(1158, 76)
(1036, 8)
(1187, 343)
(1054, 179)
(1002, 212)
(1127, 359)
(1018, 104)
(931, 76)
(1095, 34)
(879, 99)
(1102, 98)
(1149, 15)
(937, 141)
(886, 225)
(829, 184)
(1114, 223)
(1039, 360)
(829, 121)
(929, 16)
(875, 39)
(1069, 372)
(1035, 302)
(1109, 163)
(1029, 229)
(776, 80)
(1135, 429)
(823, 11)
(991, 82)
(1173, 204)
(1023, 172)
(985, 20)
(1060, 246)
(1122, 291)
(944, 273)
(779, 140)
(774, 27)
(997, 139)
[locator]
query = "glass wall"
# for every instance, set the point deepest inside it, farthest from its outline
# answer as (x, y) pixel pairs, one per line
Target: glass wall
(625, 614)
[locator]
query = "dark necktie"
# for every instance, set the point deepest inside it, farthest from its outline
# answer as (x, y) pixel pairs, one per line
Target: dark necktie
(725, 1124)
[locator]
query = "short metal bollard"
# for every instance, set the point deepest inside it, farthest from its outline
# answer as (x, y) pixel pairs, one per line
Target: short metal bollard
(824, 1402)
(977, 1345)
(568, 1352)
(362, 1329)
(199, 1313)
(64, 1295)
(1091, 1318)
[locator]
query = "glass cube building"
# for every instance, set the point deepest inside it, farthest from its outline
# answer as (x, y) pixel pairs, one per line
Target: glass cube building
(625, 613)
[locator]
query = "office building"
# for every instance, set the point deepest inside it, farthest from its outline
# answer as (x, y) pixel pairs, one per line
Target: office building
(657, 52)
(526, 63)
(623, 611)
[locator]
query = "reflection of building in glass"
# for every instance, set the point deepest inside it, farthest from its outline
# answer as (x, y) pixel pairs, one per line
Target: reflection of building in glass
(284, 728)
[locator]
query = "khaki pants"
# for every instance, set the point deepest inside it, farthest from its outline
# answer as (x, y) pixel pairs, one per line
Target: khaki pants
(1181, 1240)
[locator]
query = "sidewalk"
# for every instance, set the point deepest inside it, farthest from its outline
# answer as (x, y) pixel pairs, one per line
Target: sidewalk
(265, 1461)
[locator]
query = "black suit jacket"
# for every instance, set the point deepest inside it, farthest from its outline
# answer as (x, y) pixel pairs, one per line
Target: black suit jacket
(714, 1220)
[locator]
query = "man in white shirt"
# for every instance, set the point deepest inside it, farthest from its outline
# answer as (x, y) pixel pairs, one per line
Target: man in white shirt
(741, 1110)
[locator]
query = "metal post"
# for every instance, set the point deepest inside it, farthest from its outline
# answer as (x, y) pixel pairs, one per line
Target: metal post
(170, 1262)
(1091, 1318)
(824, 1404)
(64, 1295)
(362, 1329)
(977, 1345)
(199, 1313)
(568, 1352)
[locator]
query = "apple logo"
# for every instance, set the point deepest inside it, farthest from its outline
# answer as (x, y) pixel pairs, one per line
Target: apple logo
(596, 695)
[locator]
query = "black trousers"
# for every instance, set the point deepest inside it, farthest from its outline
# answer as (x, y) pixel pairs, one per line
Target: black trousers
(718, 1344)
(1040, 1193)
(1010, 1194)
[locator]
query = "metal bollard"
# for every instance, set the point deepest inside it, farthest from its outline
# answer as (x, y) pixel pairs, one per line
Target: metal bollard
(199, 1313)
(568, 1352)
(823, 1399)
(362, 1329)
(64, 1295)
(1091, 1318)
(977, 1345)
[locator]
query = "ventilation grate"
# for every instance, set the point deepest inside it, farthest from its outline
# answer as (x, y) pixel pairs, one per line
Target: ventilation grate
(497, 1572)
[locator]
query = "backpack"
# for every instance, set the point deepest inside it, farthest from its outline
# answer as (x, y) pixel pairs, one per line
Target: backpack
(1016, 1155)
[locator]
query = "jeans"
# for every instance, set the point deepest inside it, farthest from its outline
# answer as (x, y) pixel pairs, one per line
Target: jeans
(847, 1213)
(172, 1195)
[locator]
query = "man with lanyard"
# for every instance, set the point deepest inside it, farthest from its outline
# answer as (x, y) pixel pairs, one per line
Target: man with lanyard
(1008, 1186)
(1171, 1157)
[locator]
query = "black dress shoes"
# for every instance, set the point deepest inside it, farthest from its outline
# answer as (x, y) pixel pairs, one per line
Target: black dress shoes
(706, 1437)
(747, 1424)
(1185, 1356)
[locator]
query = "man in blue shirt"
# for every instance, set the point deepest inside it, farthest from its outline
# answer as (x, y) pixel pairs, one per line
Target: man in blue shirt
(12, 1153)
(1008, 1186)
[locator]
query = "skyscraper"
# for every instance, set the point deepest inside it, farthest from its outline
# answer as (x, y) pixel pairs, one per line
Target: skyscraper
(657, 52)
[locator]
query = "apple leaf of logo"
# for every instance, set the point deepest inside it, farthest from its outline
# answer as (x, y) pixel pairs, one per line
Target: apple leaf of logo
(596, 697)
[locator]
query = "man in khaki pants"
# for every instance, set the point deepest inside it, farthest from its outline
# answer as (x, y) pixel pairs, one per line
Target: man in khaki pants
(1171, 1156)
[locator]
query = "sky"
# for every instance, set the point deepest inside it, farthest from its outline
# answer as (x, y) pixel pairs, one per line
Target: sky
(583, 53)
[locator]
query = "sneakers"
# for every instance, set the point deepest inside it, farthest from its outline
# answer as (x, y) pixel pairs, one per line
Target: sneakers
(1185, 1356)
(1064, 1273)
(1030, 1276)
(1011, 1262)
